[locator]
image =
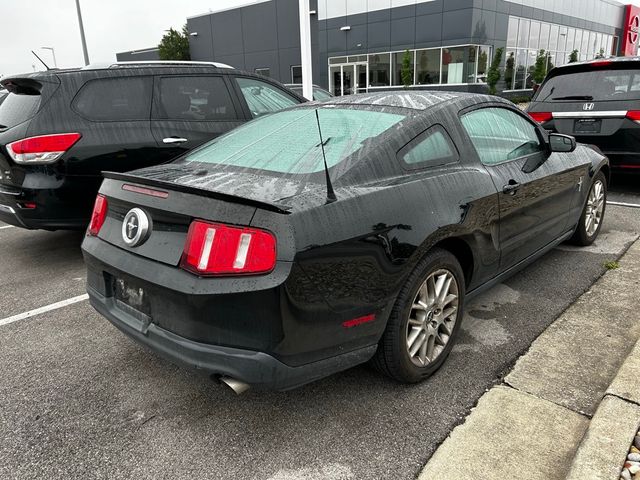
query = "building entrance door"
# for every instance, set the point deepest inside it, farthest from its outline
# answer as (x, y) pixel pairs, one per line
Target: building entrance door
(348, 78)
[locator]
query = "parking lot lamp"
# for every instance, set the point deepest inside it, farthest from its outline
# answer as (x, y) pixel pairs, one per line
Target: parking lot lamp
(53, 52)
(305, 49)
(84, 41)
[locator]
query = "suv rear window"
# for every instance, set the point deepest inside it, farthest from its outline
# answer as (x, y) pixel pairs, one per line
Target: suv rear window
(598, 85)
(115, 99)
(18, 108)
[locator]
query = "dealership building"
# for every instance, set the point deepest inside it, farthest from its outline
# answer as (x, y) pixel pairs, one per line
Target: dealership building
(360, 45)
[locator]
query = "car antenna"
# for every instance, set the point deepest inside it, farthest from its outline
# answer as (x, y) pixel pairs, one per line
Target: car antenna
(331, 196)
(41, 61)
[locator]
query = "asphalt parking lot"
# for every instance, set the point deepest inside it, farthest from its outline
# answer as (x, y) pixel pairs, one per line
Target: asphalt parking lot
(80, 400)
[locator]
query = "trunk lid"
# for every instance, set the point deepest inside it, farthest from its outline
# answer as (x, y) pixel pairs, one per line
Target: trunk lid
(171, 207)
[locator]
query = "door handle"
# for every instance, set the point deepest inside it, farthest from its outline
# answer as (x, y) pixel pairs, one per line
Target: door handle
(172, 140)
(511, 188)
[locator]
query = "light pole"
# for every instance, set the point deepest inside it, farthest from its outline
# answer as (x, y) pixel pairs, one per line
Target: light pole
(305, 49)
(53, 52)
(84, 42)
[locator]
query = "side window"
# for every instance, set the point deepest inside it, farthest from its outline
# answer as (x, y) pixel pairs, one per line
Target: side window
(115, 99)
(429, 149)
(262, 97)
(194, 98)
(500, 135)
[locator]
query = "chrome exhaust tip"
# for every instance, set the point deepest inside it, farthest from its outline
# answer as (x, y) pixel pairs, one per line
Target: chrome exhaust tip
(236, 385)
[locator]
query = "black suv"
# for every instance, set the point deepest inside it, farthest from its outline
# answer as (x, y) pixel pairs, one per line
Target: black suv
(598, 102)
(61, 128)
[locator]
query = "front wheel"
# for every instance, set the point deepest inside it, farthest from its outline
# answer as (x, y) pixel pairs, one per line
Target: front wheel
(424, 321)
(592, 216)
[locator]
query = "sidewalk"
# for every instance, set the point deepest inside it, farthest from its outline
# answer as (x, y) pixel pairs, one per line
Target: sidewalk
(571, 405)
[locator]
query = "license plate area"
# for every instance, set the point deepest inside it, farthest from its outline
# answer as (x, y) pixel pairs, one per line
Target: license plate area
(587, 125)
(131, 298)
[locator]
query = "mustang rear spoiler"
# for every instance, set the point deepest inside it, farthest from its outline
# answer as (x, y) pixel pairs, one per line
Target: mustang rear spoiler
(127, 177)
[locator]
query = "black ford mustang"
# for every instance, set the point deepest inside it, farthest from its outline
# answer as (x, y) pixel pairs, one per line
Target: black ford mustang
(330, 234)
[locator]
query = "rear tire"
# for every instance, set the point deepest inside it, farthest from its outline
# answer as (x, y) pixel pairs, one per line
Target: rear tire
(424, 321)
(592, 215)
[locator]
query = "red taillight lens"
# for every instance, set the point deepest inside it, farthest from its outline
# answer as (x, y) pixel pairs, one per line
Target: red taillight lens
(541, 117)
(634, 115)
(98, 216)
(217, 249)
(42, 149)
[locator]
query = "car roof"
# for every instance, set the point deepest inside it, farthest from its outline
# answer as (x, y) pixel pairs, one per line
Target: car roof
(419, 101)
(121, 66)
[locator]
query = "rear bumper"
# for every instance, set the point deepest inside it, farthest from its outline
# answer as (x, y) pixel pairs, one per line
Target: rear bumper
(64, 206)
(258, 369)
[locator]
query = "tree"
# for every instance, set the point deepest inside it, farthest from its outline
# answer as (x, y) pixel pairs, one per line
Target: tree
(509, 71)
(407, 69)
(175, 45)
(540, 67)
(573, 57)
(493, 75)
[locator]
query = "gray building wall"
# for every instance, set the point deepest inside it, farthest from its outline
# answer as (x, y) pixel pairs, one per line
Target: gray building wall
(148, 54)
(448, 23)
(263, 35)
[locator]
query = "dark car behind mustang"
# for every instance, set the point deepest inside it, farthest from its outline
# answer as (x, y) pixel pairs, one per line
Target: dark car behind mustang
(332, 234)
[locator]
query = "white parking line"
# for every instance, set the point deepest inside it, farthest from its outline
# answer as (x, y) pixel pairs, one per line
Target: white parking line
(623, 204)
(7, 226)
(47, 308)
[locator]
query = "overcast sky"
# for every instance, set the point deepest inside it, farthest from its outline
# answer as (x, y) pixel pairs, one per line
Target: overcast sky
(110, 26)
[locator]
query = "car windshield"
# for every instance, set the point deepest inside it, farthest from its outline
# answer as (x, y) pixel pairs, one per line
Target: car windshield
(289, 141)
(599, 85)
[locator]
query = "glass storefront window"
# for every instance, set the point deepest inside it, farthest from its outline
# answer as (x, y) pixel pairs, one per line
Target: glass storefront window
(571, 36)
(520, 70)
(512, 35)
(336, 60)
(459, 65)
(553, 38)
(397, 59)
(534, 38)
(562, 39)
(544, 36)
(380, 70)
(578, 41)
(532, 55)
(484, 61)
(509, 69)
(428, 67)
(523, 33)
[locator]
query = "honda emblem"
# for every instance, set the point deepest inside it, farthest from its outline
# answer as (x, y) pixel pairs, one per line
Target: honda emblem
(588, 107)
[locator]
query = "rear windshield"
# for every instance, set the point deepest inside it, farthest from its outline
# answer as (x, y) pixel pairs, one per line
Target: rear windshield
(600, 85)
(18, 108)
(289, 141)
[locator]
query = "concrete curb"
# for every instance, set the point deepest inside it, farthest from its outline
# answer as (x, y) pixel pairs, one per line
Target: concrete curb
(539, 423)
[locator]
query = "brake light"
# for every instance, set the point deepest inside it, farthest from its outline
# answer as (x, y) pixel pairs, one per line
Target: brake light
(217, 249)
(42, 149)
(601, 63)
(541, 117)
(98, 216)
(634, 115)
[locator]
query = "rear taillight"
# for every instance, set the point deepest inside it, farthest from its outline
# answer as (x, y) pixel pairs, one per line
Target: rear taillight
(541, 117)
(217, 249)
(42, 149)
(98, 216)
(634, 115)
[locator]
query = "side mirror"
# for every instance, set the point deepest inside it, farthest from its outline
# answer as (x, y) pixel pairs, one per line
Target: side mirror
(561, 143)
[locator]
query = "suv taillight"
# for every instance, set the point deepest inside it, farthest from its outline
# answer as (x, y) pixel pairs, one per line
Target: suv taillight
(634, 115)
(98, 216)
(218, 249)
(42, 149)
(541, 117)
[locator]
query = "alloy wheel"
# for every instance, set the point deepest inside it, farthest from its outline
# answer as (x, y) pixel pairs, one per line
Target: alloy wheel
(595, 208)
(432, 317)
